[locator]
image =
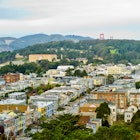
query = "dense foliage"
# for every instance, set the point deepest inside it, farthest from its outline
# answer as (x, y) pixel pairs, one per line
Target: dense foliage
(65, 127)
(137, 84)
(40, 67)
(103, 111)
(116, 51)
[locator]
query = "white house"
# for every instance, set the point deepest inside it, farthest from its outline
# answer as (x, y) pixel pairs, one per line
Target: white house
(129, 113)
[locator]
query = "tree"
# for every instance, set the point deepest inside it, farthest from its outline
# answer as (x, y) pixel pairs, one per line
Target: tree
(136, 116)
(69, 72)
(110, 79)
(137, 84)
(84, 73)
(136, 124)
(88, 90)
(103, 111)
(115, 132)
(64, 127)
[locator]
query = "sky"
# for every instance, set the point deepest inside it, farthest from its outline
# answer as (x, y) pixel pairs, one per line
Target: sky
(117, 18)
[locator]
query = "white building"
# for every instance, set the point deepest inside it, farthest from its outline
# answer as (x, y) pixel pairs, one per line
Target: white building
(18, 95)
(65, 67)
(48, 105)
(13, 101)
(46, 98)
(113, 113)
(129, 113)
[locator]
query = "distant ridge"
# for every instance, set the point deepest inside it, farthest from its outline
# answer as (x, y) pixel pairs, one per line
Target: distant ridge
(10, 43)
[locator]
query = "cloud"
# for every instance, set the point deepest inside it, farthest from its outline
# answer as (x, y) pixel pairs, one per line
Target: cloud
(88, 17)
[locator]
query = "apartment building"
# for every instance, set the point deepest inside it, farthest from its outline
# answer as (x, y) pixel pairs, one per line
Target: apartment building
(11, 77)
(134, 98)
(113, 70)
(118, 98)
(18, 95)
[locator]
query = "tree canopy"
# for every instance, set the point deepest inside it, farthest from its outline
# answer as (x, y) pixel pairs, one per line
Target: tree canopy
(103, 111)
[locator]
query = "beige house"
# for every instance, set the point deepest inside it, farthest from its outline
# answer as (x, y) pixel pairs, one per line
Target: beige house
(88, 110)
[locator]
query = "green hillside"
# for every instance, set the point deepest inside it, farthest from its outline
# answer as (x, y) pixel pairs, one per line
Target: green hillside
(111, 51)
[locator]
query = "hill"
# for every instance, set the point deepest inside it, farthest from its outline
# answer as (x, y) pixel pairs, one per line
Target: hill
(10, 44)
(5, 43)
(96, 51)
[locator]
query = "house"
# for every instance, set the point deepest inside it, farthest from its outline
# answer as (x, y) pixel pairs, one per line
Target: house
(113, 113)
(22, 108)
(88, 110)
(90, 122)
(45, 108)
(133, 108)
(13, 122)
(18, 95)
(99, 80)
(65, 67)
(128, 116)
(46, 98)
(129, 113)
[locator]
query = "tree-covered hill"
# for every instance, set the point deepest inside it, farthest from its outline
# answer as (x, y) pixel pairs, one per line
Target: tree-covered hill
(114, 51)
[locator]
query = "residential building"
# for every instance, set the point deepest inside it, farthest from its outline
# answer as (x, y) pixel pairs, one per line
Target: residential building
(99, 80)
(18, 56)
(45, 108)
(18, 95)
(113, 70)
(113, 113)
(46, 98)
(129, 112)
(90, 122)
(134, 97)
(128, 116)
(65, 67)
(118, 98)
(11, 77)
(13, 101)
(88, 110)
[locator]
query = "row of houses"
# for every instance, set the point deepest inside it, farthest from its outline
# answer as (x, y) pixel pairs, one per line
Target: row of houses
(16, 118)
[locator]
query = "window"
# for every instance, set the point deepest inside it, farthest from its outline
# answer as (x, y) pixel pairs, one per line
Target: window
(132, 109)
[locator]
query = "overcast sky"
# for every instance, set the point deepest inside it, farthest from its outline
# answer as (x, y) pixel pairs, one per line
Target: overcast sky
(117, 18)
